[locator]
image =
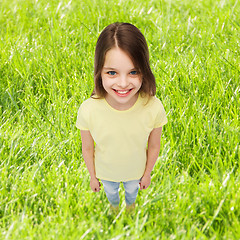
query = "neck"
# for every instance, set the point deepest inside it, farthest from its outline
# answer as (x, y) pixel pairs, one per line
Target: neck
(122, 107)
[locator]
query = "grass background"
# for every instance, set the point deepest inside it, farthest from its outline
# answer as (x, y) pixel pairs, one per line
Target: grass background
(46, 71)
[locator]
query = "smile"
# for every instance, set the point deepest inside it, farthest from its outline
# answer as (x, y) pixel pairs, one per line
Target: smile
(123, 93)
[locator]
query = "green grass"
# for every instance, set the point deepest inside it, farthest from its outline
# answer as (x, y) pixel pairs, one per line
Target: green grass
(46, 71)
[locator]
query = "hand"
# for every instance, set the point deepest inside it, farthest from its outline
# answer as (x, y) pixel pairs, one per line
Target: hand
(95, 184)
(145, 182)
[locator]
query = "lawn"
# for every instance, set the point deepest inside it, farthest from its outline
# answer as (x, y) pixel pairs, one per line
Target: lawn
(46, 72)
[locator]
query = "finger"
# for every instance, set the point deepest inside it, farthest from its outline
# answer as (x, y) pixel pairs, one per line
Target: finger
(97, 189)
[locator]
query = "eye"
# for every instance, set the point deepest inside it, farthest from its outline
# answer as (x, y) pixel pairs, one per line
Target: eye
(112, 73)
(133, 73)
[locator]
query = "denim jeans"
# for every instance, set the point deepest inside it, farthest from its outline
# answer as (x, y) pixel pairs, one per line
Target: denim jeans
(111, 190)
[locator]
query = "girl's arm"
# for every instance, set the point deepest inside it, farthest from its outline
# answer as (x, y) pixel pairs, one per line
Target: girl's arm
(152, 155)
(88, 156)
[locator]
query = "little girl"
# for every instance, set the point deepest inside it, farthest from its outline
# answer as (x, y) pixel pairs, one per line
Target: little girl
(121, 124)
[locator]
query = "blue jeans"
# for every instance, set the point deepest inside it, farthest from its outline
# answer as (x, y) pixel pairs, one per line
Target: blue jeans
(111, 190)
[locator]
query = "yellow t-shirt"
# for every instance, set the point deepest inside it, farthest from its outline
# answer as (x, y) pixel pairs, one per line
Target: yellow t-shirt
(120, 136)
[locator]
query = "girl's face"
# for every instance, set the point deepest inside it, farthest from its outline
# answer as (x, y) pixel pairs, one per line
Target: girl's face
(120, 79)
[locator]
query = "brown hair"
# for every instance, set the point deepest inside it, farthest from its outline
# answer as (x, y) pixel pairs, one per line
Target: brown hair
(129, 39)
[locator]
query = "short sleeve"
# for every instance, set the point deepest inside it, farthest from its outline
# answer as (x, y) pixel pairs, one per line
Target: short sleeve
(83, 117)
(161, 117)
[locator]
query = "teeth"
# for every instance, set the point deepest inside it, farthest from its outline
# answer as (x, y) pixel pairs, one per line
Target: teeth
(122, 92)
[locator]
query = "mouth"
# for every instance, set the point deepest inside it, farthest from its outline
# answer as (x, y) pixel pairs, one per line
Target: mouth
(123, 93)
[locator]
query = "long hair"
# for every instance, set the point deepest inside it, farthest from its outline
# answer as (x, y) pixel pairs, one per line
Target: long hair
(129, 39)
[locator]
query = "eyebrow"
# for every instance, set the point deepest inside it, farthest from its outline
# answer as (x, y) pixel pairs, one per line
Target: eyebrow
(133, 69)
(109, 68)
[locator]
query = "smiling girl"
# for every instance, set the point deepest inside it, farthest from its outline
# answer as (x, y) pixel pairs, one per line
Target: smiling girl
(121, 124)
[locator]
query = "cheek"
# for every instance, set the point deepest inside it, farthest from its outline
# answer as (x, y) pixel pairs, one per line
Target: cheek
(139, 82)
(105, 83)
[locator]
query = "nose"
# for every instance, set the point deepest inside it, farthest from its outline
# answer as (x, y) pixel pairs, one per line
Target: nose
(123, 81)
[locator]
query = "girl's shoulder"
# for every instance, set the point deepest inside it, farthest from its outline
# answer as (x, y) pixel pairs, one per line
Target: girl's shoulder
(90, 105)
(92, 101)
(151, 101)
(155, 109)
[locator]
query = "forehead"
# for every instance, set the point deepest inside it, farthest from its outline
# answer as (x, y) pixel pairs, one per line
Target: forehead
(117, 58)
